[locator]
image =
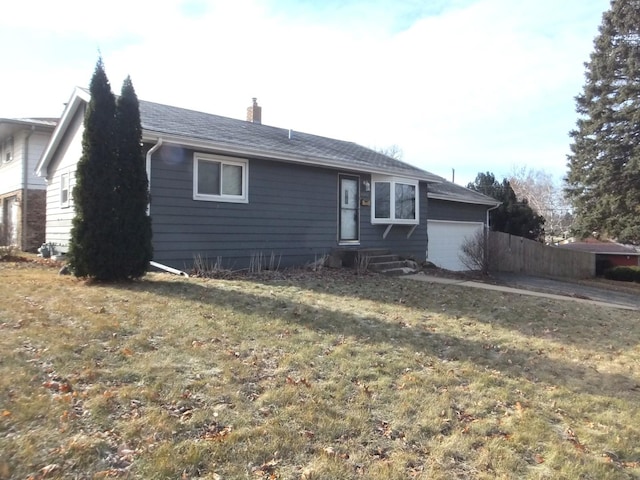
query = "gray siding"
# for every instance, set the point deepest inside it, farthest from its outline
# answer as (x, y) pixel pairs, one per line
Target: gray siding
(292, 213)
(456, 211)
(396, 241)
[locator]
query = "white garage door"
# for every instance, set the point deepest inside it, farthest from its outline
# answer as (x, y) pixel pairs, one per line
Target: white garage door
(445, 240)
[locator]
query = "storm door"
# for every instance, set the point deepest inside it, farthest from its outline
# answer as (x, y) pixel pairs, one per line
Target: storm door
(10, 216)
(349, 230)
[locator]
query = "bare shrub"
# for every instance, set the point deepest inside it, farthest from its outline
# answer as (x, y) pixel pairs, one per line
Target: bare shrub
(7, 251)
(204, 267)
(476, 252)
(362, 264)
(317, 264)
(260, 262)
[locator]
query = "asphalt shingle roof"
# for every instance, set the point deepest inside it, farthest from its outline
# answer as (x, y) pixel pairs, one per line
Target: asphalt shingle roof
(610, 248)
(450, 191)
(270, 141)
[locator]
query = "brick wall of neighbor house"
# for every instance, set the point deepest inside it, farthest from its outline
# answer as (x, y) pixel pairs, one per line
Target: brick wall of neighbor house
(34, 236)
(36, 219)
(619, 260)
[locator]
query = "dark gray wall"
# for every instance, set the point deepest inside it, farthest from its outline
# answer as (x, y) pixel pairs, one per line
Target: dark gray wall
(292, 213)
(456, 211)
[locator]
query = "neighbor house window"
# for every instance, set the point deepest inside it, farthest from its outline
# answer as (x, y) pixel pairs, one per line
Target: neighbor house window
(395, 200)
(8, 150)
(219, 179)
(65, 190)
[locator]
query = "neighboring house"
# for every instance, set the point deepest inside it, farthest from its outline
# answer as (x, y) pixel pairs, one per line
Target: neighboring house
(607, 254)
(234, 191)
(455, 214)
(22, 193)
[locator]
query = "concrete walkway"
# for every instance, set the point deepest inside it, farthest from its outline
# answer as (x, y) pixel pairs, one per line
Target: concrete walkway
(500, 288)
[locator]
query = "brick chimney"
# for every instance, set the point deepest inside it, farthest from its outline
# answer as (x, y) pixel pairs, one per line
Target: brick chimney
(254, 112)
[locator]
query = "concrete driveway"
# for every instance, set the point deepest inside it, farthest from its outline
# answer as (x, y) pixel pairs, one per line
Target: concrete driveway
(583, 292)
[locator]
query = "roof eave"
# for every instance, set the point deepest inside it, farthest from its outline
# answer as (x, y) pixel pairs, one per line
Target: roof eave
(153, 136)
(78, 97)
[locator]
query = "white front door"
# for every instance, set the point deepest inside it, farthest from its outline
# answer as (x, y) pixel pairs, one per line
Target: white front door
(349, 231)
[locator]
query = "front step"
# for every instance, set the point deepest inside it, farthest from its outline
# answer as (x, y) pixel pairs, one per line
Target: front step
(378, 260)
(383, 266)
(389, 264)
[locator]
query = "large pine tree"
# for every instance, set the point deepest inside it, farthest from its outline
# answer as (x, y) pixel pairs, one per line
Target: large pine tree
(92, 249)
(132, 197)
(603, 182)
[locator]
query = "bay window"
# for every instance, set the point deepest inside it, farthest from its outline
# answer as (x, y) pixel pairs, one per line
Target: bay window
(395, 201)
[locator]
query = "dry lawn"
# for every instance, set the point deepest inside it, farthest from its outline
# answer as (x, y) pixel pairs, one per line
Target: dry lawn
(310, 376)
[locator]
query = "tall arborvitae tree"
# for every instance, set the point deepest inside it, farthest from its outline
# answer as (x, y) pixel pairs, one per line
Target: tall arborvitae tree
(603, 182)
(92, 250)
(134, 236)
(512, 216)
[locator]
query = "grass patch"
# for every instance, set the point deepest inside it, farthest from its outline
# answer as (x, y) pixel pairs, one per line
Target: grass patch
(315, 375)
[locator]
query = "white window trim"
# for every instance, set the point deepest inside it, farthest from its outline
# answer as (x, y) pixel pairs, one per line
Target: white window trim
(241, 162)
(67, 203)
(7, 151)
(392, 208)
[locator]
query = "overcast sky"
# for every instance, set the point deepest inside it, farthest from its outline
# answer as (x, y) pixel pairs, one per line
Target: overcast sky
(470, 85)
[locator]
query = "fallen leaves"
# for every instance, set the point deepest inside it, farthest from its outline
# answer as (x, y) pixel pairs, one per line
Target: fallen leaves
(385, 429)
(48, 469)
(299, 381)
(62, 386)
(266, 470)
(215, 431)
(571, 436)
(332, 452)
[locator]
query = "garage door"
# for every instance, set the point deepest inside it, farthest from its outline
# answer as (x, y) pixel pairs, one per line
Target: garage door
(445, 241)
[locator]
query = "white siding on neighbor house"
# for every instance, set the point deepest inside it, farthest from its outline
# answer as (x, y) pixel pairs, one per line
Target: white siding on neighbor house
(37, 144)
(11, 172)
(445, 241)
(58, 228)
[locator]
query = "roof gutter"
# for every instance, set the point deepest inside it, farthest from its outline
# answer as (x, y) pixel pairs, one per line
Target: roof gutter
(452, 198)
(149, 135)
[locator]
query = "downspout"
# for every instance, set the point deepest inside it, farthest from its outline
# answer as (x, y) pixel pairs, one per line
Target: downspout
(151, 151)
(25, 189)
(488, 210)
(486, 240)
(160, 266)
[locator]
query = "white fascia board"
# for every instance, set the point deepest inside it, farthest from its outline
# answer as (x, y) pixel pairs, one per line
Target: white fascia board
(456, 222)
(438, 196)
(151, 136)
(78, 97)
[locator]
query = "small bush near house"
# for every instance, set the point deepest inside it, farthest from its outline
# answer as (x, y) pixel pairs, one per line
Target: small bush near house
(7, 251)
(477, 252)
(623, 274)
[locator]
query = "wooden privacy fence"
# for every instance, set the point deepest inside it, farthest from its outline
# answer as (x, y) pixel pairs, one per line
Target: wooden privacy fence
(508, 253)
